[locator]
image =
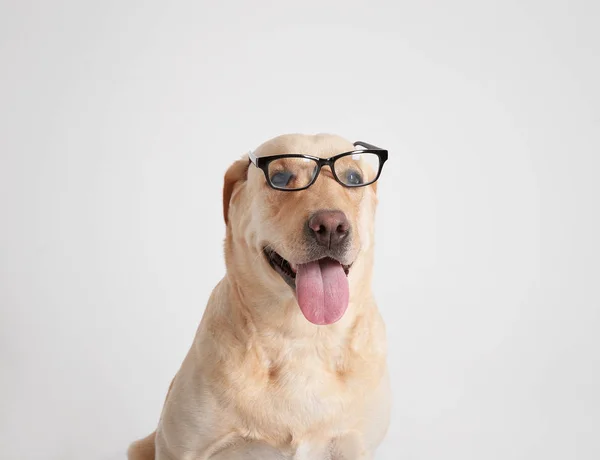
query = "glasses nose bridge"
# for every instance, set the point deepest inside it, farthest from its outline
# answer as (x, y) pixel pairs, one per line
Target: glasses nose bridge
(322, 162)
(326, 162)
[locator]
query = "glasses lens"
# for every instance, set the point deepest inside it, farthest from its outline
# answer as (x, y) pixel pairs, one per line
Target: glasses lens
(357, 169)
(292, 173)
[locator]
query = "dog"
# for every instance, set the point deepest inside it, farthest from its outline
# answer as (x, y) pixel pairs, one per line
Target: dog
(289, 359)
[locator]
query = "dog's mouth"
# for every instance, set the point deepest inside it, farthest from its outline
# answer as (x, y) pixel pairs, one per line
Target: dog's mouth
(288, 270)
(321, 285)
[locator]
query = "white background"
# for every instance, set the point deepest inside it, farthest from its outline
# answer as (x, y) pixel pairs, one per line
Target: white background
(118, 120)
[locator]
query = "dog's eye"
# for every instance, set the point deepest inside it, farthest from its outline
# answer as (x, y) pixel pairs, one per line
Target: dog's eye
(353, 177)
(281, 179)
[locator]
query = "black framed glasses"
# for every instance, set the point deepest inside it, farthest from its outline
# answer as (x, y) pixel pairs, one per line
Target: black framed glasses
(293, 172)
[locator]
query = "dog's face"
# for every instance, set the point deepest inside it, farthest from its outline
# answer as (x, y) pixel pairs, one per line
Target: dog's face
(308, 242)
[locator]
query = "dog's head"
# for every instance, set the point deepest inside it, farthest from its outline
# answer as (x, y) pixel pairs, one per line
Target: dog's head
(300, 220)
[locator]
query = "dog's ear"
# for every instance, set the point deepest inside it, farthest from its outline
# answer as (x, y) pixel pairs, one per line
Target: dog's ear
(236, 173)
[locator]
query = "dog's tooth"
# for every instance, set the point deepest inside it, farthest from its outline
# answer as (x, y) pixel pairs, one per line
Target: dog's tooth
(294, 267)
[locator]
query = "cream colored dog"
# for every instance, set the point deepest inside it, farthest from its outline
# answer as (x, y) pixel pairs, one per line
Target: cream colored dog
(289, 360)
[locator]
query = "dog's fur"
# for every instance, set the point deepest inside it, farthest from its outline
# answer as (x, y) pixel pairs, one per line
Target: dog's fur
(260, 381)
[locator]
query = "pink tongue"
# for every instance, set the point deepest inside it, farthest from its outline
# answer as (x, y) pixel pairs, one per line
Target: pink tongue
(322, 291)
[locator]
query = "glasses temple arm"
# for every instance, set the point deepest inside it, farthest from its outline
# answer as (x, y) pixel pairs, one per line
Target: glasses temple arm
(368, 146)
(252, 157)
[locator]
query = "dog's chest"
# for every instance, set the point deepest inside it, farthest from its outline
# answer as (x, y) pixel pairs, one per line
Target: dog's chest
(283, 396)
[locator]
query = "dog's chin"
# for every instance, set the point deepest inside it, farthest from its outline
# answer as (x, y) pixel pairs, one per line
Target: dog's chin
(287, 270)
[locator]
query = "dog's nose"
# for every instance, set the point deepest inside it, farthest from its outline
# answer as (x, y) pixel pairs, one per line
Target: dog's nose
(329, 228)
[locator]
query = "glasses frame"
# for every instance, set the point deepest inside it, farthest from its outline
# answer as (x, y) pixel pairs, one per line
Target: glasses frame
(263, 163)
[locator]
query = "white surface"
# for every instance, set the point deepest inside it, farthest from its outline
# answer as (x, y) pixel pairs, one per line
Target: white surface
(118, 120)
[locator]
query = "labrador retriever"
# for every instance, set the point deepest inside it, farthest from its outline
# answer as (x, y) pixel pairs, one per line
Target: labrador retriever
(289, 359)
